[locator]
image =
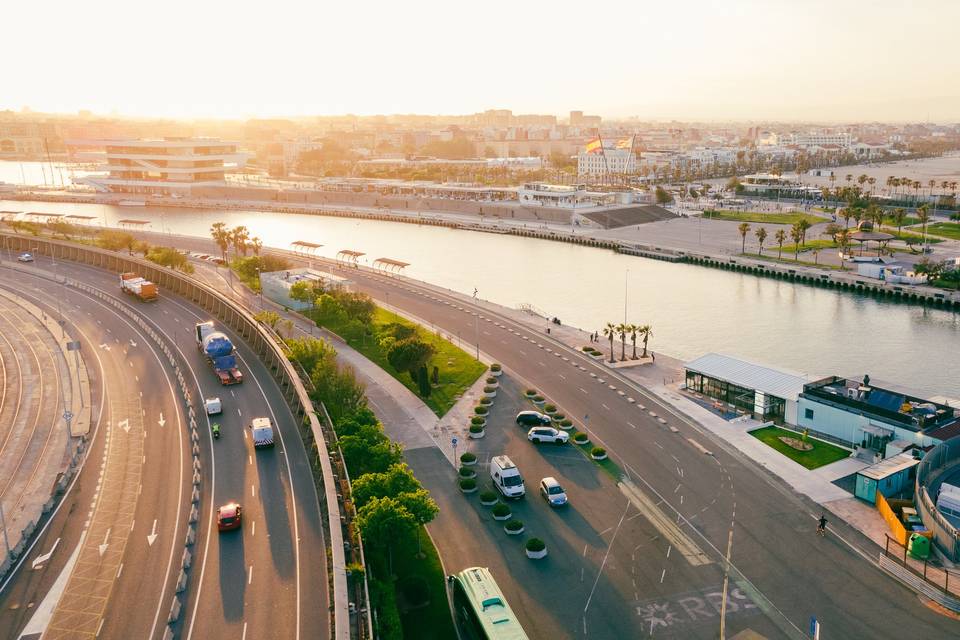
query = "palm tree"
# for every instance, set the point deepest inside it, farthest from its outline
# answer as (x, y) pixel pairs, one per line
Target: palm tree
(761, 234)
(796, 234)
(623, 328)
(633, 329)
(899, 216)
(847, 214)
(804, 226)
(848, 177)
(239, 236)
(923, 214)
(647, 332)
(220, 235)
(743, 229)
(256, 244)
(610, 331)
(780, 236)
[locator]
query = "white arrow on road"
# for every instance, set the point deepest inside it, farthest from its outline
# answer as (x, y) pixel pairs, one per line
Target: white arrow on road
(105, 346)
(161, 421)
(132, 343)
(153, 534)
(39, 560)
(103, 547)
(125, 425)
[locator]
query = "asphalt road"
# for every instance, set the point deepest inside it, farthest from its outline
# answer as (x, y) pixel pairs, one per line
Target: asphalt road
(267, 580)
(721, 502)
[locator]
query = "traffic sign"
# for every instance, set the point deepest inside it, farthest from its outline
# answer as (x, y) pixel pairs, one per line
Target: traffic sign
(454, 441)
(68, 416)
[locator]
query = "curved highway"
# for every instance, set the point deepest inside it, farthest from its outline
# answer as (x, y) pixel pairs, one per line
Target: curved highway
(266, 580)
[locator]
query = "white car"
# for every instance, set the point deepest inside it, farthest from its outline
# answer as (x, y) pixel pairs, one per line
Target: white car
(552, 492)
(547, 434)
(25, 257)
(213, 406)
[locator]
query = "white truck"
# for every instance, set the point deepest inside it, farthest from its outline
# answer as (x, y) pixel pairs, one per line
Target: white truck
(134, 285)
(261, 430)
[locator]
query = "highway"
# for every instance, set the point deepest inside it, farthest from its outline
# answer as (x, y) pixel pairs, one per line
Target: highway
(266, 580)
(728, 506)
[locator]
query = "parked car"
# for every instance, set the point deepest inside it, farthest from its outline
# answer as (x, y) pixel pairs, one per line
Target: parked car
(547, 434)
(25, 257)
(506, 477)
(229, 516)
(552, 492)
(213, 406)
(531, 418)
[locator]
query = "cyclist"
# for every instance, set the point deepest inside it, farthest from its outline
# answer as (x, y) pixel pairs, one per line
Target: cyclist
(822, 526)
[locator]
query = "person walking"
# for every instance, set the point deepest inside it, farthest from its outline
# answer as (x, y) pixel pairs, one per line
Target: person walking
(822, 525)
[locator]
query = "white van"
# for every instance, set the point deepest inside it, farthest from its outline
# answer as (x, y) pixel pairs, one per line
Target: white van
(506, 477)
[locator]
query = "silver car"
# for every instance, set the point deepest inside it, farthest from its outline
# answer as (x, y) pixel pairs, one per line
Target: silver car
(552, 492)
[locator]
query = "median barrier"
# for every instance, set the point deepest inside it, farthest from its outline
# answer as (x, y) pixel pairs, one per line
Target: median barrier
(266, 347)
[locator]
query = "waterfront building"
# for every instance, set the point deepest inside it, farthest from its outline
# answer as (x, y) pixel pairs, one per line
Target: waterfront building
(172, 166)
(747, 388)
(816, 139)
(864, 415)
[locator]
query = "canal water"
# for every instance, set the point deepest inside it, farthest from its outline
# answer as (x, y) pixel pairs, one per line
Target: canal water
(693, 310)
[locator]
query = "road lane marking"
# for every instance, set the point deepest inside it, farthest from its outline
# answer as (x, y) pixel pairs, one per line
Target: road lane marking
(605, 406)
(562, 377)
(632, 425)
(253, 490)
(239, 413)
(250, 575)
(253, 528)
(582, 389)
(670, 530)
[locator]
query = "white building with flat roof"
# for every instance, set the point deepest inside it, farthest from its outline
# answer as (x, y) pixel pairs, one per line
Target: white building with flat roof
(163, 167)
(610, 161)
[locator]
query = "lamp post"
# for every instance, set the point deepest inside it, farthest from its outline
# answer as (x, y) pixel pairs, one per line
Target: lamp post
(476, 319)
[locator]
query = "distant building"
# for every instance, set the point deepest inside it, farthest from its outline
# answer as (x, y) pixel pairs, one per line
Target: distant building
(551, 195)
(816, 139)
(20, 138)
(610, 161)
(579, 119)
(166, 167)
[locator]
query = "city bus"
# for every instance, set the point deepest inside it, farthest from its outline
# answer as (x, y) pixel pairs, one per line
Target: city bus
(481, 611)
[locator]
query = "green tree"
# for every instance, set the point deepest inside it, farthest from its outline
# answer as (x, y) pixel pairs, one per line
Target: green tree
(409, 355)
(796, 234)
(221, 235)
(383, 520)
(256, 244)
(662, 196)
(396, 480)
(302, 291)
(743, 228)
(899, 217)
(761, 234)
(622, 330)
(610, 331)
(369, 451)
(422, 507)
(239, 236)
(269, 318)
(780, 236)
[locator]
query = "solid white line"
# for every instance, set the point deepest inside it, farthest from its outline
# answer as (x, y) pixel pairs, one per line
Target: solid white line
(100, 626)
(582, 389)
(605, 406)
(239, 413)
(253, 490)
(120, 570)
(250, 575)
(244, 636)
(253, 528)
(605, 556)
(632, 425)
(662, 575)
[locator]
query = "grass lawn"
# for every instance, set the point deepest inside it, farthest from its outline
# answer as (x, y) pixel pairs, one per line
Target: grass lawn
(821, 454)
(946, 229)
(458, 369)
(888, 221)
(788, 259)
(809, 245)
(418, 580)
(763, 217)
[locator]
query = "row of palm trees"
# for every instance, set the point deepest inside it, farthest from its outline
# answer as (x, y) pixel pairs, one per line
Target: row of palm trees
(643, 331)
(894, 183)
(238, 237)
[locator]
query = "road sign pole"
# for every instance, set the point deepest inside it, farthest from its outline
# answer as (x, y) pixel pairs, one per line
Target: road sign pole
(454, 441)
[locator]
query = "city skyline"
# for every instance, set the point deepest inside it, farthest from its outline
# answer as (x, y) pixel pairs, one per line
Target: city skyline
(745, 61)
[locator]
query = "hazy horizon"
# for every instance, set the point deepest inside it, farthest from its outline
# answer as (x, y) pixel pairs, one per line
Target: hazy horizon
(746, 60)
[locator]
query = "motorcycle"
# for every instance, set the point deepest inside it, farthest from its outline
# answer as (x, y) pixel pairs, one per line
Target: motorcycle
(215, 428)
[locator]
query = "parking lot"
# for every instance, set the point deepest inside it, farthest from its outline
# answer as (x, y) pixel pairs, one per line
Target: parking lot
(609, 573)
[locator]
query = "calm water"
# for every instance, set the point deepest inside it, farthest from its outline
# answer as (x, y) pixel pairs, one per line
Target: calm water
(693, 310)
(57, 174)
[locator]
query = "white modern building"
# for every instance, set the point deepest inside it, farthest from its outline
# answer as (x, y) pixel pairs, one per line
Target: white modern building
(162, 167)
(610, 161)
(553, 195)
(816, 139)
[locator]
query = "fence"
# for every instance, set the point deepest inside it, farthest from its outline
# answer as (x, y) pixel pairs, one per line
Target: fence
(938, 462)
(269, 350)
(940, 585)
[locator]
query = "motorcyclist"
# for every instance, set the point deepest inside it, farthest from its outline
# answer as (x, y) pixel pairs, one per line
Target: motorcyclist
(215, 427)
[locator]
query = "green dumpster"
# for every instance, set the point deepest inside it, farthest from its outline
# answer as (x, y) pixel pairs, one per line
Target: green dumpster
(919, 546)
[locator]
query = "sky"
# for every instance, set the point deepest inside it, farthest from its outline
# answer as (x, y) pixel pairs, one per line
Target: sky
(812, 60)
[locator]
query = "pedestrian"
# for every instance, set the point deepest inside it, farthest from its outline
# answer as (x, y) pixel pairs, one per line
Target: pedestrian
(653, 356)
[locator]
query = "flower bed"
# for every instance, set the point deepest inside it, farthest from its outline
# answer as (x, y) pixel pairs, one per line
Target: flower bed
(468, 485)
(481, 410)
(513, 527)
(501, 512)
(467, 472)
(467, 459)
(566, 424)
(488, 498)
(530, 393)
(477, 431)
(550, 409)
(496, 369)
(598, 453)
(536, 548)
(581, 438)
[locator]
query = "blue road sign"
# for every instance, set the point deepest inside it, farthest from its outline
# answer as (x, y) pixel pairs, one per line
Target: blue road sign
(454, 441)
(67, 416)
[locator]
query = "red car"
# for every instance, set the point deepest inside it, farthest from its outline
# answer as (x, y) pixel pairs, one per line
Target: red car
(228, 516)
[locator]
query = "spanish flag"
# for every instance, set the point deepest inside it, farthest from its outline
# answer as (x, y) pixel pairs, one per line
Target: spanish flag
(626, 143)
(594, 146)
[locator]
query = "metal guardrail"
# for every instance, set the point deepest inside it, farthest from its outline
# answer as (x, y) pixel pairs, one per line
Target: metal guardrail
(938, 461)
(267, 349)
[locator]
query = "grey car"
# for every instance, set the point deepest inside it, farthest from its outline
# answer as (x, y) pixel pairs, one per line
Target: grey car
(532, 418)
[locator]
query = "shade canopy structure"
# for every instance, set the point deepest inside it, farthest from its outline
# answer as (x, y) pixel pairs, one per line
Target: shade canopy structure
(130, 222)
(39, 215)
(389, 265)
(74, 216)
(347, 255)
(302, 246)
